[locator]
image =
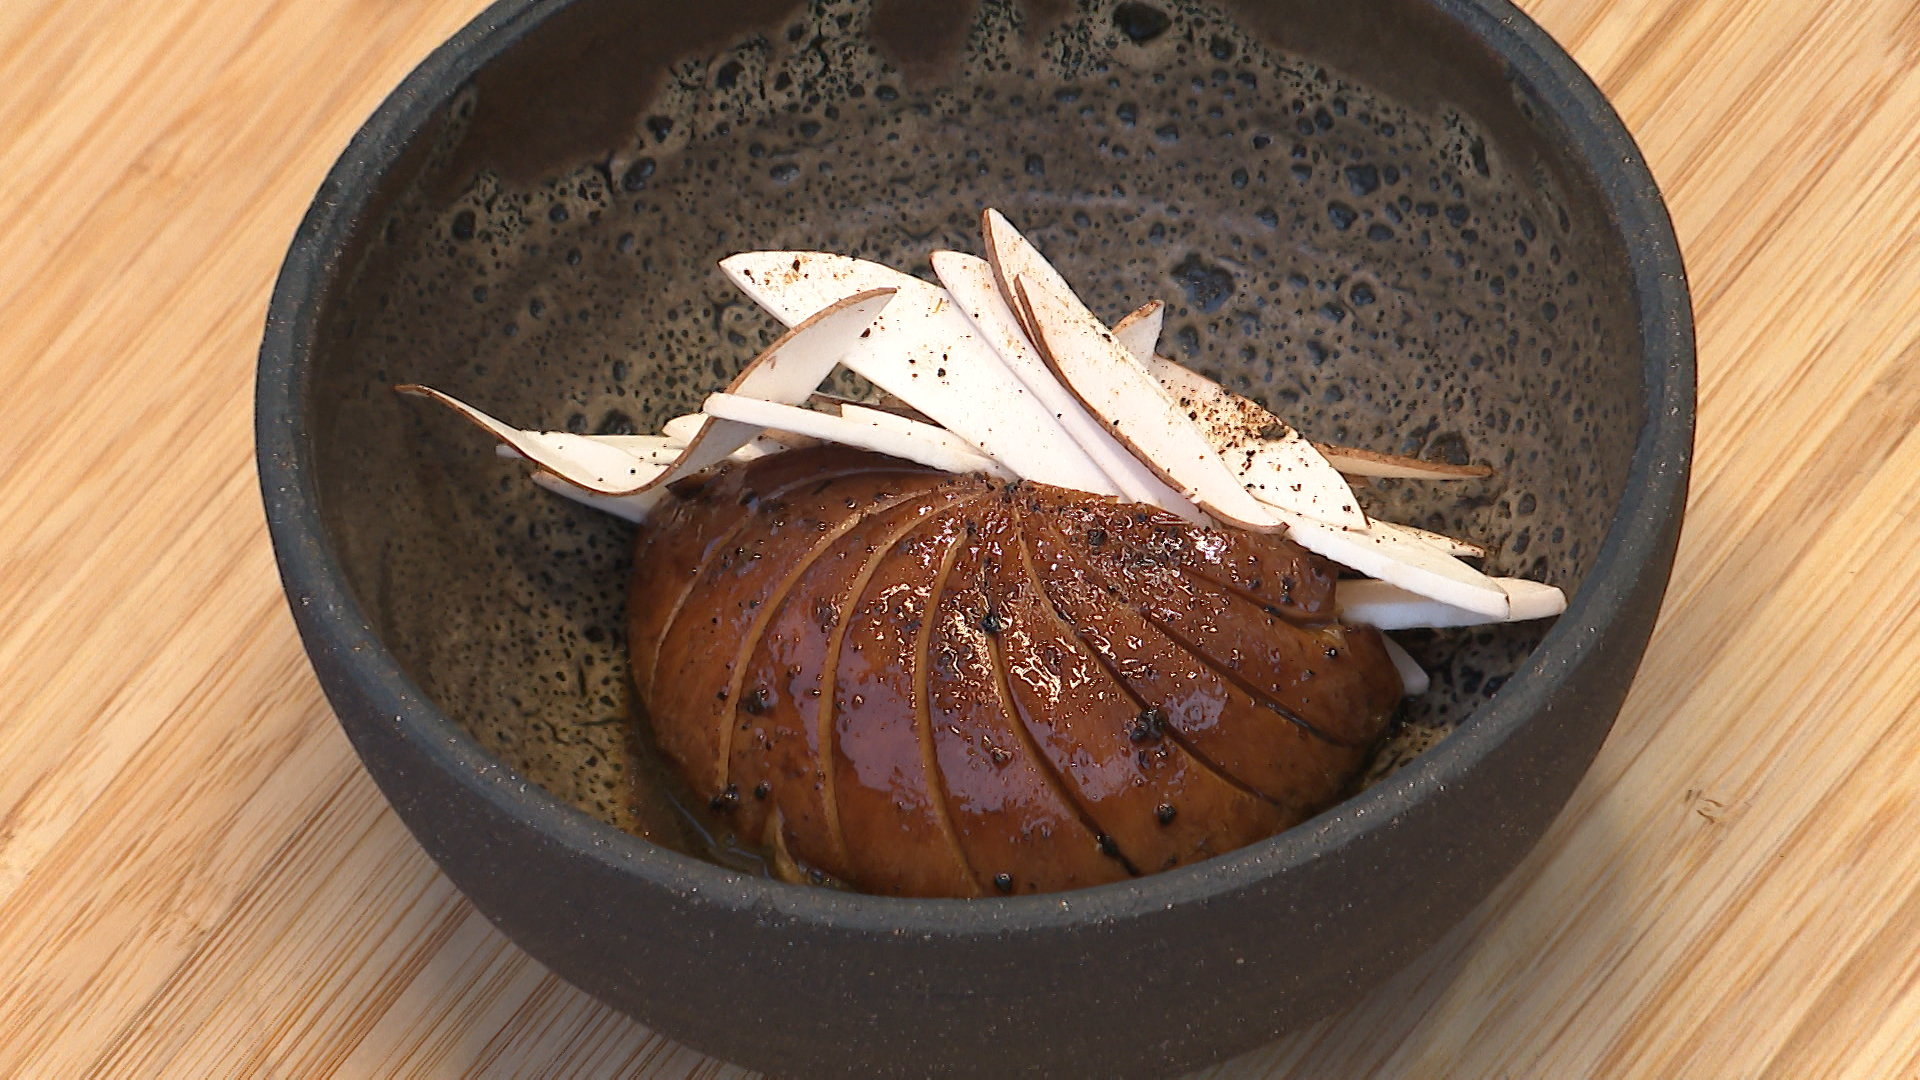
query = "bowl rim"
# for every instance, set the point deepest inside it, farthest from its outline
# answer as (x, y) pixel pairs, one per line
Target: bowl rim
(315, 582)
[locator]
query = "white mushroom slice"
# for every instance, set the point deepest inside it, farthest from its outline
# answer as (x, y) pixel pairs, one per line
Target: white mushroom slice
(837, 429)
(1413, 564)
(808, 351)
(792, 285)
(1269, 458)
(794, 367)
(1439, 540)
(1013, 256)
(592, 466)
(887, 404)
(653, 449)
(785, 373)
(659, 450)
(1413, 677)
(777, 440)
(1116, 388)
(880, 418)
(1140, 330)
(771, 442)
(861, 413)
(970, 281)
(1348, 461)
(1532, 599)
(1355, 462)
(924, 350)
(1387, 606)
(631, 507)
(1178, 378)
(683, 428)
(1275, 462)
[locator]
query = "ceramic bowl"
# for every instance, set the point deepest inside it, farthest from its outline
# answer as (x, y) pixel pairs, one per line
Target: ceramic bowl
(1410, 225)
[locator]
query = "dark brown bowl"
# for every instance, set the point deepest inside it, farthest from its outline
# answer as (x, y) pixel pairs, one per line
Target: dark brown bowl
(1411, 225)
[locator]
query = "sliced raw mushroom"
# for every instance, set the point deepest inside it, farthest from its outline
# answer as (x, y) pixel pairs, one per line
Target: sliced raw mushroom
(1184, 382)
(652, 449)
(1413, 678)
(807, 352)
(860, 414)
(791, 285)
(1181, 380)
(1354, 462)
(887, 404)
(839, 429)
(581, 462)
(758, 449)
(924, 351)
(786, 373)
(1118, 389)
(1278, 465)
(1139, 332)
(681, 430)
(970, 281)
(659, 450)
(1270, 459)
(630, 507)
(1406, 561)
(1439, 540)
(1532, 599)
(1013, 256)
(1387, 606)
(684, 427)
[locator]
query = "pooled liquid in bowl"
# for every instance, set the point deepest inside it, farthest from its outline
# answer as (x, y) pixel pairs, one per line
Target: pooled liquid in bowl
(1380, 276)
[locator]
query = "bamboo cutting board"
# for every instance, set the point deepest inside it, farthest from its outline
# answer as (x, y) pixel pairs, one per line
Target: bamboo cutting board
(196, 879)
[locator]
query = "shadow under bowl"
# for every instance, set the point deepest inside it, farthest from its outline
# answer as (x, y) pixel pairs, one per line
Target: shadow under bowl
(1410, 225)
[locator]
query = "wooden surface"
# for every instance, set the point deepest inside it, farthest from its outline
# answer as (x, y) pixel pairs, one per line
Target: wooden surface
(196, 878)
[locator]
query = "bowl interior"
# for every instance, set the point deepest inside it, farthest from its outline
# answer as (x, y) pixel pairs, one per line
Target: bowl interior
(1353, 215)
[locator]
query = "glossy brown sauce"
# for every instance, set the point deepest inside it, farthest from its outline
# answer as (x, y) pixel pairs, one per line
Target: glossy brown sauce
(932, 685)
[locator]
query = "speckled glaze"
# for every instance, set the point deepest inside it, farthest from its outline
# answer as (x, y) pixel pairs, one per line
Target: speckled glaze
(1411, 227)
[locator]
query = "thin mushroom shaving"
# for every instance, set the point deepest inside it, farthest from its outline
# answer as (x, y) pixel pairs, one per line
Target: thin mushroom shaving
(1012, 377)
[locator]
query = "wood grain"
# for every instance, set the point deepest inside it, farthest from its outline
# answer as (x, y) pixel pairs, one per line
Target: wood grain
(196, 879)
